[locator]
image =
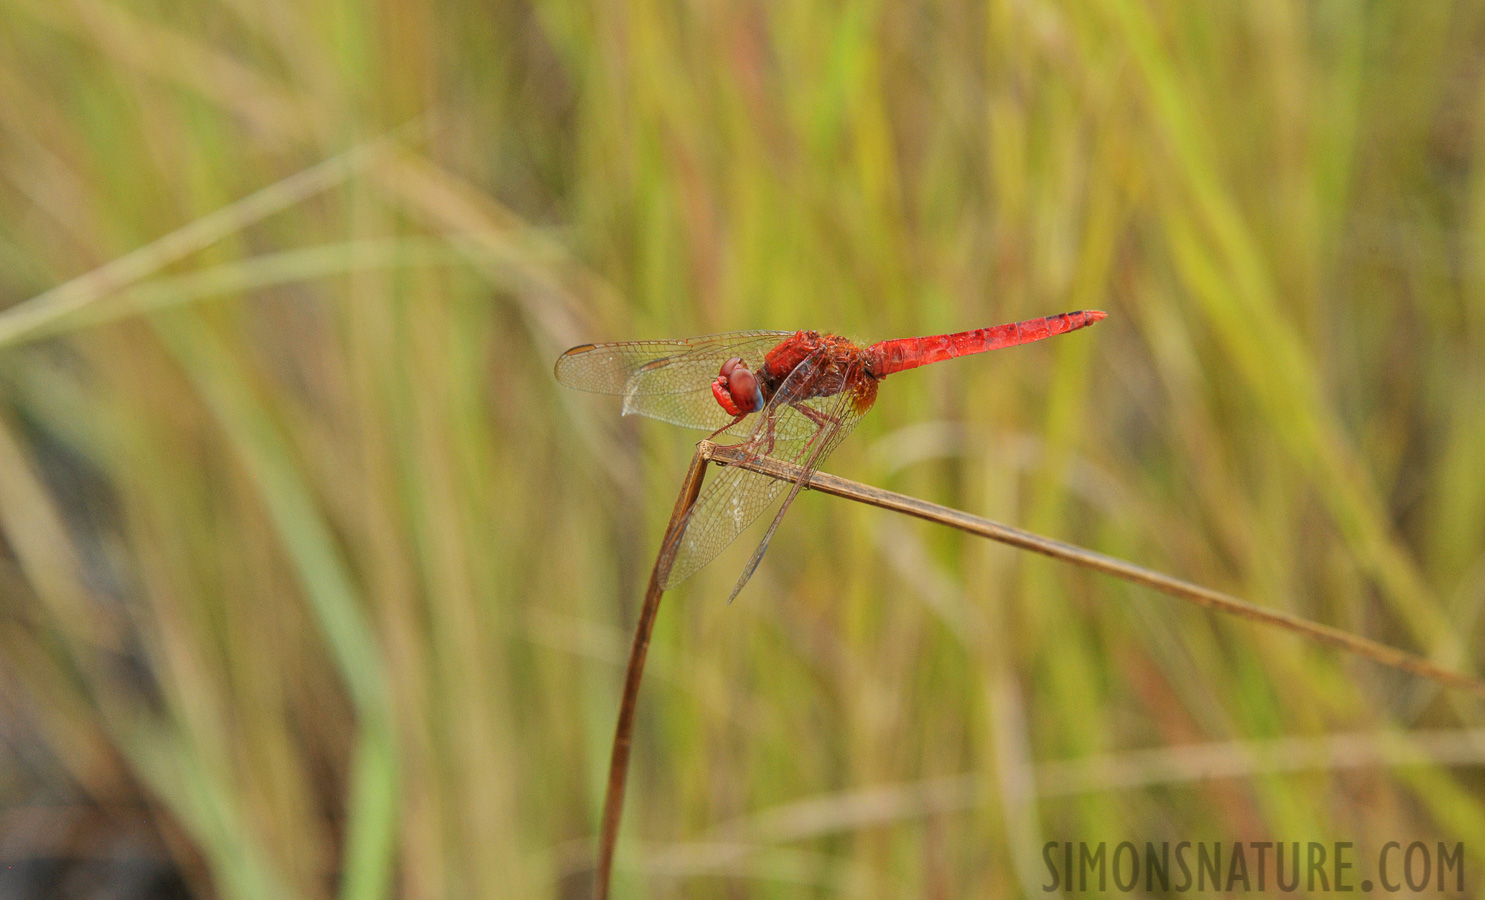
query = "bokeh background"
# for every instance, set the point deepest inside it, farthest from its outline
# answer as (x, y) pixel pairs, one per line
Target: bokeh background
(314, 583)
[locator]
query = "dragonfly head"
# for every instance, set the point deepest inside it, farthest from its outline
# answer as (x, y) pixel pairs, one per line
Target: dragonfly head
(736, 388)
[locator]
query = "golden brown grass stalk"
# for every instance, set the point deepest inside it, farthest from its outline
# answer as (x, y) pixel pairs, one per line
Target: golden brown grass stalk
(706, 451)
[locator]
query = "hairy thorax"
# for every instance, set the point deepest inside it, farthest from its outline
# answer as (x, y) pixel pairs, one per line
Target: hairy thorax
(840, 365)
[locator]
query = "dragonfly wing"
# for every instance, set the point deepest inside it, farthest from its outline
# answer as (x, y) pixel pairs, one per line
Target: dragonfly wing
(834, 420)
(698, 409)
(701, 410)
(665, 380)
(727, 505)
(671, 367)
(738, 496)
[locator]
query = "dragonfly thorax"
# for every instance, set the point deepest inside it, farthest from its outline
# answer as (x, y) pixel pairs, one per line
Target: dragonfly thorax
(740, 391)
(837, 363)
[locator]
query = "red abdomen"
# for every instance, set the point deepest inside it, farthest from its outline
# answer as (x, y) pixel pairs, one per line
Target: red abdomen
(909, 353)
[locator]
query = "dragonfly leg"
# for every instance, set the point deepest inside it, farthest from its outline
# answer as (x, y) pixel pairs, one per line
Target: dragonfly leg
(768, 436)
(824, 424)
(821, 420)
(727, 426)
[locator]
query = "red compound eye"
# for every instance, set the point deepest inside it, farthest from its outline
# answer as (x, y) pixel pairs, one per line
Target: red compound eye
(743, 386)
(729, 365)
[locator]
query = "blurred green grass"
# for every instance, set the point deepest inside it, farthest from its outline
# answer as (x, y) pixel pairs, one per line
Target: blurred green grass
(308, 556)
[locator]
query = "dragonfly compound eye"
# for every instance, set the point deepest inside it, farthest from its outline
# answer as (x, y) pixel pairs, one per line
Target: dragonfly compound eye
(729, 365)
(743, 386)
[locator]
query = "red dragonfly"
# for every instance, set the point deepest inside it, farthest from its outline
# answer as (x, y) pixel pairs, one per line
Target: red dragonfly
(789, 396)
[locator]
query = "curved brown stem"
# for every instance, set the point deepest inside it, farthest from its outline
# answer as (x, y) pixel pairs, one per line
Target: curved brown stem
(1026, 540)
(618, 766)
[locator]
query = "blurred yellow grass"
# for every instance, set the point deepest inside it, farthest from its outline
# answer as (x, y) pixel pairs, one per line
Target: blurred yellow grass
(305, 550)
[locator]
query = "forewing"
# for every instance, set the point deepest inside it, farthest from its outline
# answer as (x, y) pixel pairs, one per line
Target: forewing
(660, 367)
(665, 380)
(737, 497)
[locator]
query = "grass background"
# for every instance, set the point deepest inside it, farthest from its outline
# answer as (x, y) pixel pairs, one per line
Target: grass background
(315, 583)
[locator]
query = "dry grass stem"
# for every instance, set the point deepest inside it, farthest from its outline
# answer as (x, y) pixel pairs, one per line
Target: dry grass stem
(1172, 760)
(1108, 565)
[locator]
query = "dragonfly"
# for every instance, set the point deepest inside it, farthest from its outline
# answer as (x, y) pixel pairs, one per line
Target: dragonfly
(788, 396)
